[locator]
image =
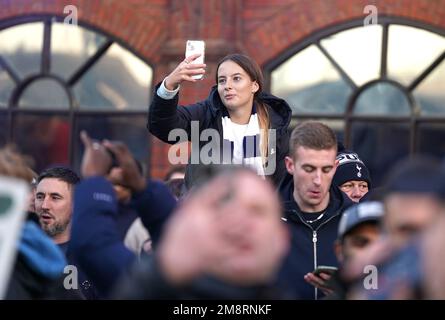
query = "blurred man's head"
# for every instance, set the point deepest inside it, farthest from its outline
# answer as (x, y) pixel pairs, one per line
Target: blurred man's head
(413, 198)
(53, 201)
(352, 176)
(312, 163)
(251, 222)
(228, 226)
(358, 228)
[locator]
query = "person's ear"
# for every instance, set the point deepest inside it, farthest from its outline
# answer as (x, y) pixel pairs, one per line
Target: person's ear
(255, 87)
(290, 166)
(336, 163)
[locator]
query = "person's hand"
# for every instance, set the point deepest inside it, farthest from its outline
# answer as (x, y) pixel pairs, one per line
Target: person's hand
(95, 161)
(319, 282)
(184, 72)
(129, 176)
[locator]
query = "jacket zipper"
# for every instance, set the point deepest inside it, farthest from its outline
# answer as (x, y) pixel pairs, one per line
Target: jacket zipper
(314, 241)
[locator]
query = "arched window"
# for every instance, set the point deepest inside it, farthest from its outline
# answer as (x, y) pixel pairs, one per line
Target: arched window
(381, 87)
(57, 79)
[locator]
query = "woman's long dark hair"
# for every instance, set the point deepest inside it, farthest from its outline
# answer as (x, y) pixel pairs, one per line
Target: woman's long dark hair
(255, 74)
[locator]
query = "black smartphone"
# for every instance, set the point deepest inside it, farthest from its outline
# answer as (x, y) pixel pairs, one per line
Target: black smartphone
(325, 269)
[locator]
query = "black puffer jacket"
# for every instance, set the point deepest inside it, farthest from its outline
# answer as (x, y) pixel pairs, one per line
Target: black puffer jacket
(166, 115)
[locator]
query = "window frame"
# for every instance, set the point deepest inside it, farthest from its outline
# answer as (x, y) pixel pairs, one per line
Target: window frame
(414, 120)
(12, 109)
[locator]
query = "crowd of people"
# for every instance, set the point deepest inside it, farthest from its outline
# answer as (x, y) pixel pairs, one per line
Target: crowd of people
(313, 227)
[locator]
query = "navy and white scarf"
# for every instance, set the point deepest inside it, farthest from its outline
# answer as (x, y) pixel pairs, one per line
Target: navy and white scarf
(241, 143)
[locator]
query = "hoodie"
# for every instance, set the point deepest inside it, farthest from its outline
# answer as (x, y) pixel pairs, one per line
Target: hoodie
(166, 115)
(311, 245)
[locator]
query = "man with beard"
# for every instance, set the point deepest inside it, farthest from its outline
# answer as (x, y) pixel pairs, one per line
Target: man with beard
(53, 203)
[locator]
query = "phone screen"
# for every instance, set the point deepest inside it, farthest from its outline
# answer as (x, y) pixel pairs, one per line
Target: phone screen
(192, 47)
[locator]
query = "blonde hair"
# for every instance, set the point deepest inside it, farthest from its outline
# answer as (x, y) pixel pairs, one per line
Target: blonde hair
(264, 120)
(255, 74)
(14, 164)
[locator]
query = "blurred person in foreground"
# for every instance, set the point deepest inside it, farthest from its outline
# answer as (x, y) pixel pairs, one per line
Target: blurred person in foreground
(413, 203)
(225, 241)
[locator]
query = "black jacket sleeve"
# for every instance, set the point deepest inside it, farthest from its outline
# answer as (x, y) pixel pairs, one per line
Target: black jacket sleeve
(165, 116)
(155, 205)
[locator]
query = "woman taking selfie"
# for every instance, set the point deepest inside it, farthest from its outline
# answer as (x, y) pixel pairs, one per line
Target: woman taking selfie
(237, 108)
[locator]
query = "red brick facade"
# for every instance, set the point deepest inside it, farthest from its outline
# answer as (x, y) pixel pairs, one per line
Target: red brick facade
(264, 29)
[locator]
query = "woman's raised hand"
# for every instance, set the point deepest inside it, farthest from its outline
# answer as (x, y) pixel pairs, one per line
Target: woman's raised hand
(184, 72)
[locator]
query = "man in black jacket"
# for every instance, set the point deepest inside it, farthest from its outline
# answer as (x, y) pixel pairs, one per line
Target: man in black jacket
(312, 207)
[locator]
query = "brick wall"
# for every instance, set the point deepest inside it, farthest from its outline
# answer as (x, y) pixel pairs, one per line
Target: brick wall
(157, 29)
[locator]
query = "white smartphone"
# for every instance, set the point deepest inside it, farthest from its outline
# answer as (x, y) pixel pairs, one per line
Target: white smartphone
(192, 47)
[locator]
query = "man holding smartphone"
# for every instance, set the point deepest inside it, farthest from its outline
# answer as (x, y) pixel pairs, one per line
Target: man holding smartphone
(312, 207)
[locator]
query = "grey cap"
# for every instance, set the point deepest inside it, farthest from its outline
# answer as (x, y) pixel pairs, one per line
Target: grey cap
(359, 213)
